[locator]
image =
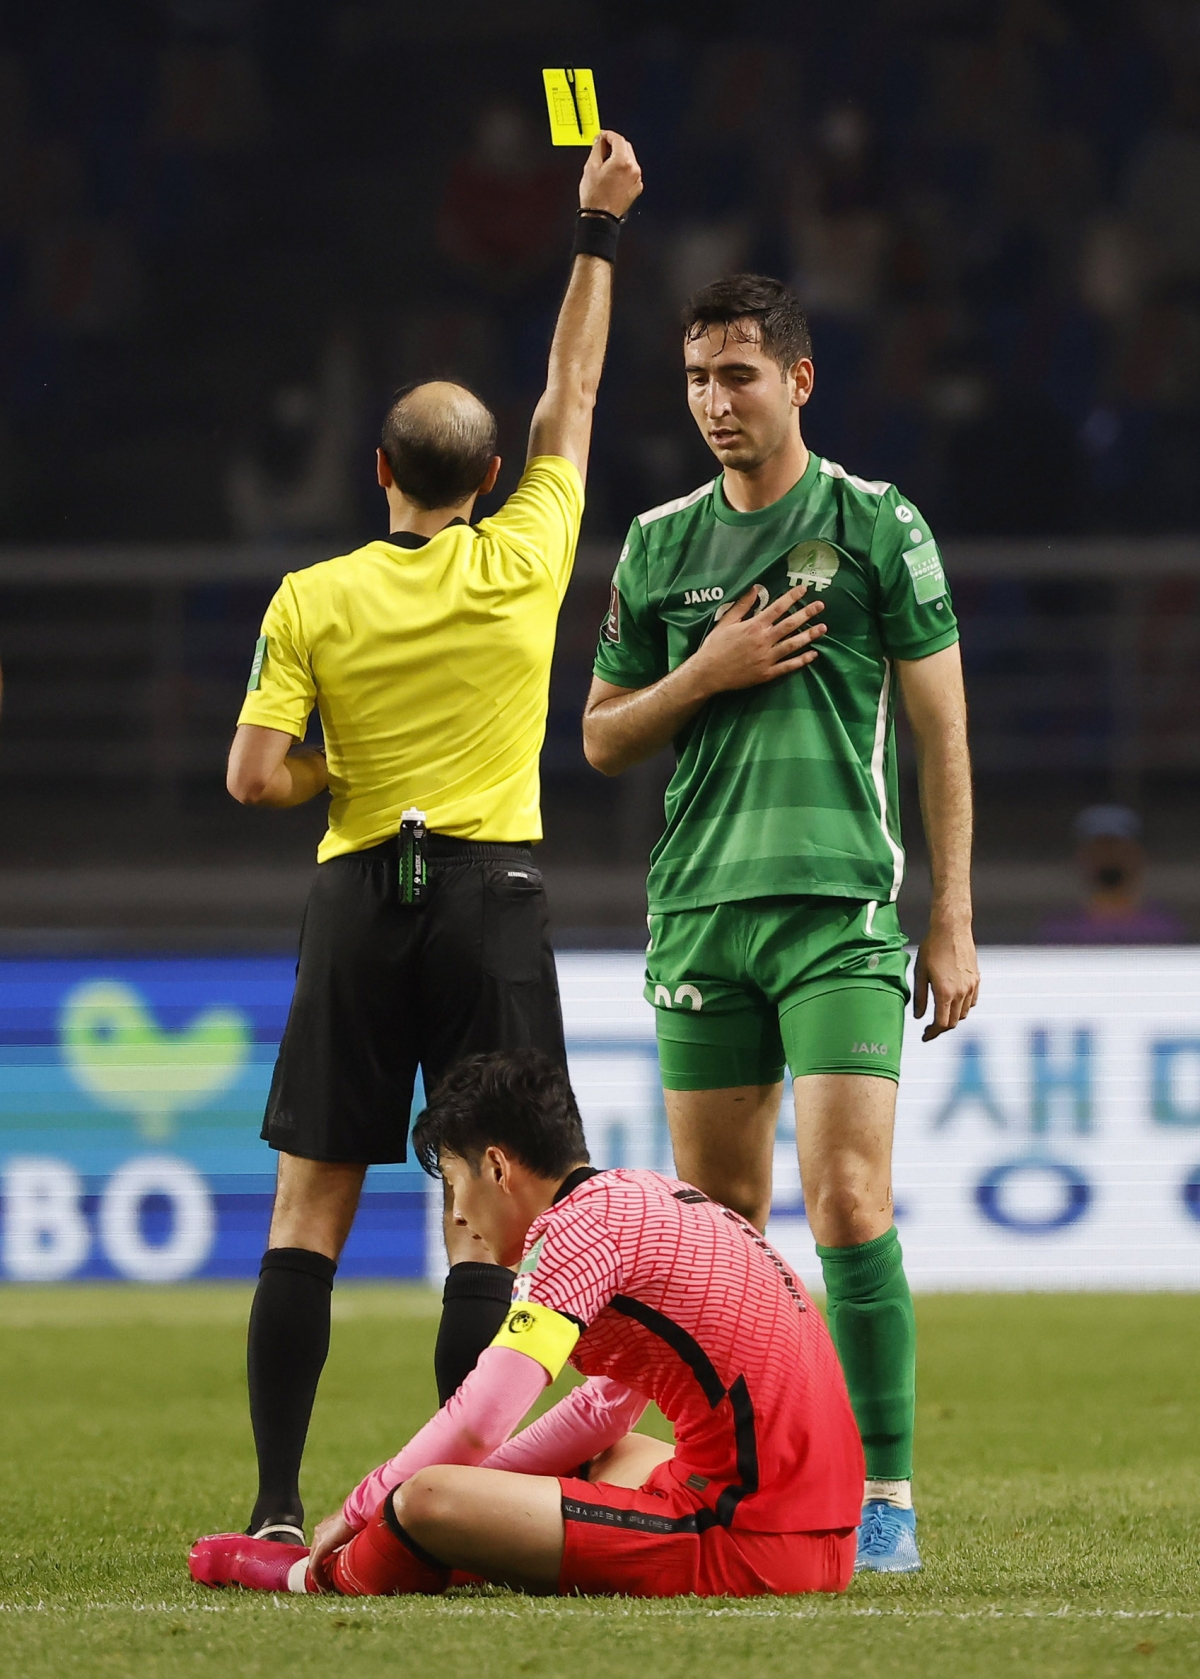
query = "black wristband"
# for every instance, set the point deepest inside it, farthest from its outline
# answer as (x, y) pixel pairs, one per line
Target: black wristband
(596, 235)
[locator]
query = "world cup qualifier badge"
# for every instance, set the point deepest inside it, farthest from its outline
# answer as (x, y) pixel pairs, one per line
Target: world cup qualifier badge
(524, 1282)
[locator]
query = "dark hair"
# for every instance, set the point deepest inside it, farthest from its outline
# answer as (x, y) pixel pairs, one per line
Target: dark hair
(439, 439)
(782, 324)
(522, 1102)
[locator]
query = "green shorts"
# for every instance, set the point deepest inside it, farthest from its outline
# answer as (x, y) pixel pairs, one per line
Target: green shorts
(740, 989)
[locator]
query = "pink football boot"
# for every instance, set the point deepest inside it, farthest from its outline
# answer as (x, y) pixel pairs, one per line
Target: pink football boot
(235, 1559)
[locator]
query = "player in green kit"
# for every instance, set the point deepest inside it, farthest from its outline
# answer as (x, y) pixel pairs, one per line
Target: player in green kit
(761, 626)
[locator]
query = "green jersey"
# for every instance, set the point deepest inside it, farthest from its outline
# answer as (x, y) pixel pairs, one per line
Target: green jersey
(789, 788)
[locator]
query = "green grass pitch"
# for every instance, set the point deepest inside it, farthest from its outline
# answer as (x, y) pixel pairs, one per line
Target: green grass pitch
(1058, 1492)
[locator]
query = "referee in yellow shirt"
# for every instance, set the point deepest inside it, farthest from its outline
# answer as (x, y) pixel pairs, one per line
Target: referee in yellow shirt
(424, 940)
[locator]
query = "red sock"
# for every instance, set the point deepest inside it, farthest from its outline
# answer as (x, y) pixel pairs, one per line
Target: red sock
(382, 1561)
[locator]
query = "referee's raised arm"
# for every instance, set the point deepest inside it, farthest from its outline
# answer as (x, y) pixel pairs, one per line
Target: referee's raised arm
(562, 420)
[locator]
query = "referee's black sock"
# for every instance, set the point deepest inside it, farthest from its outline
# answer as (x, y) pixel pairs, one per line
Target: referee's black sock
(286, 1350)
(475, 1302)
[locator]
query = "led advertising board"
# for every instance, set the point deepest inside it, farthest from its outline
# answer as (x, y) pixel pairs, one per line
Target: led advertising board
(1052, 1141)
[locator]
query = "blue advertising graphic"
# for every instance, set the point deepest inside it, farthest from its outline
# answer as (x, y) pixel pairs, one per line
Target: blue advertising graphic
(1052, 1140)
(131, 1097)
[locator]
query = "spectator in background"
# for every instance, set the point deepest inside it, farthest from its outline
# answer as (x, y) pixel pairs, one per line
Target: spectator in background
(839, 238)
(839, 230)
(500, 226)
(499, 221)
(1113, 862)
(209, 97)
(295, 478)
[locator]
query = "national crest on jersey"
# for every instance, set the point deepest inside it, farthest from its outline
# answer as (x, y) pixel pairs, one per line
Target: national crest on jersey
(791, 787)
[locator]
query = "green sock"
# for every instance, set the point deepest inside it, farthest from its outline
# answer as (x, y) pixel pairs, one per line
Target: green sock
(874, 1330)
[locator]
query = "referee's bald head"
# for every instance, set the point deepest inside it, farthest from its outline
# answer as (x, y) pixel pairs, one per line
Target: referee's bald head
(439, 440)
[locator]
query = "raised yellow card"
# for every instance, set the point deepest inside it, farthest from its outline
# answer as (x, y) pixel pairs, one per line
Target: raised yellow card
(571, 101)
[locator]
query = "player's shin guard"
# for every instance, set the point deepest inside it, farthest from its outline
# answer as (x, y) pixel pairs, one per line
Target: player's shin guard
(385, 1561)
(874, 1330)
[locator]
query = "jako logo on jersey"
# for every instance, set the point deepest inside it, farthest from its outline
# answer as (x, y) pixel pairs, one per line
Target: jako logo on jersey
(868, 1049)
(696, 597)
(683, 994)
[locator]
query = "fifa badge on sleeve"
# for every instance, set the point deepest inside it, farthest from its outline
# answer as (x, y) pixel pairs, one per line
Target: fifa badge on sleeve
(260, 653)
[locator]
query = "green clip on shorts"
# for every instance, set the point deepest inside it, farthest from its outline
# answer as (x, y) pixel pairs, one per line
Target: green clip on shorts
(741, 988)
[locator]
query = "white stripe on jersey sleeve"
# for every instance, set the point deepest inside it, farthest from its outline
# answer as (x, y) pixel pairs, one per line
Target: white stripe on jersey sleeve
(879, 777)
(873, 486)
(676, 506)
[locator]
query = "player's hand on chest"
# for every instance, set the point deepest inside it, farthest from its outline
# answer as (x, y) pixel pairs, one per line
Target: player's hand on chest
(702, 594)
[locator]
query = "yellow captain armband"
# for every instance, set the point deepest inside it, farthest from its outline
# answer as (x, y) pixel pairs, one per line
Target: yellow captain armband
(539, 1332)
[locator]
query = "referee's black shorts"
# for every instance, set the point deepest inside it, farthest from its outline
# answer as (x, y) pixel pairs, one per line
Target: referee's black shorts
(382, 987)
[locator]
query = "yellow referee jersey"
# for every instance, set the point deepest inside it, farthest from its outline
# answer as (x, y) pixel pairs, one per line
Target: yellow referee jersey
(430, 666)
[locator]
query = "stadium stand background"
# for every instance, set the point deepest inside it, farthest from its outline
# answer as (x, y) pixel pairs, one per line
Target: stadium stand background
(228, 229)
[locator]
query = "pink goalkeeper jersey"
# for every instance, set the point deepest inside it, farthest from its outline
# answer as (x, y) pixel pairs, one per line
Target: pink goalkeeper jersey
(684, 1302)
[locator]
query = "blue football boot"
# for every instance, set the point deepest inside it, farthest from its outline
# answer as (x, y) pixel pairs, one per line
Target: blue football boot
(887, 1540)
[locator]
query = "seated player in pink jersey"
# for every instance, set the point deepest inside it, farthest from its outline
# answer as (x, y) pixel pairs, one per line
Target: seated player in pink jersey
(653, 1292)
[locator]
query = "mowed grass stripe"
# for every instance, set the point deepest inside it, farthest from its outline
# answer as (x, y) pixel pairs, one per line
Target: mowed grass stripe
(91, 1305)
(452, 1604)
